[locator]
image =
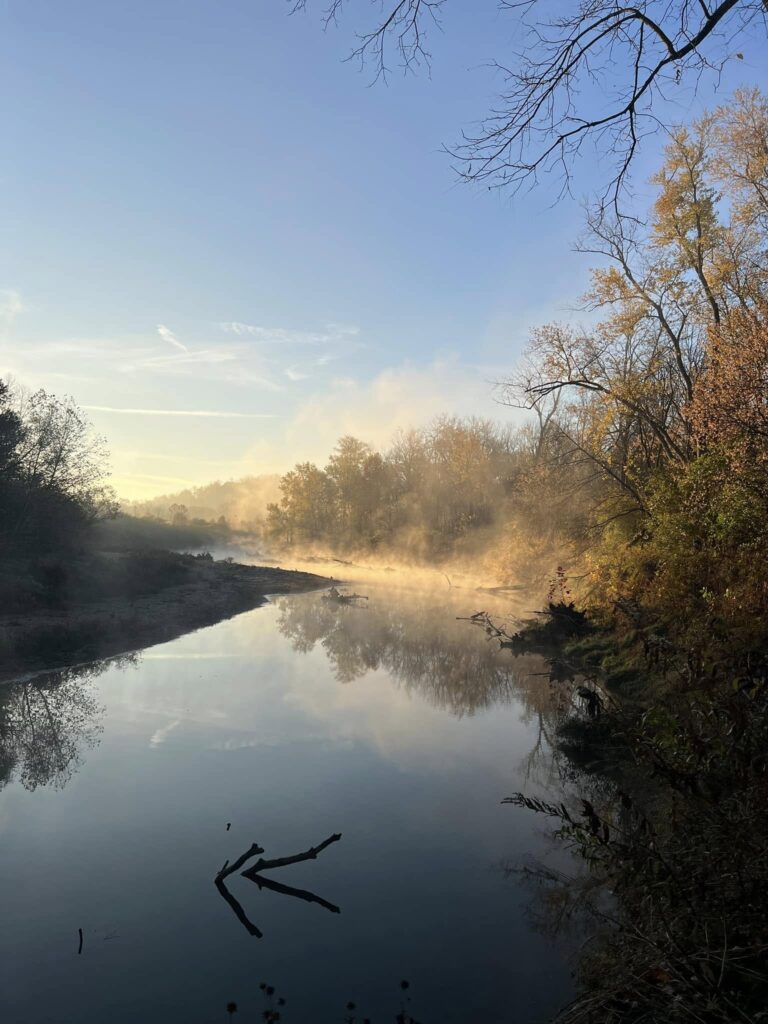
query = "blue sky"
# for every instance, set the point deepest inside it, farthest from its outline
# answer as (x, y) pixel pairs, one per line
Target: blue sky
(205, 210)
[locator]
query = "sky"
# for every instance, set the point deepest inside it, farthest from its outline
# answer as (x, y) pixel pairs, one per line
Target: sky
(231, 248)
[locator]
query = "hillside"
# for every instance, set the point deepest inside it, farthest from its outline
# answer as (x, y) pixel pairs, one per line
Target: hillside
(243, 503)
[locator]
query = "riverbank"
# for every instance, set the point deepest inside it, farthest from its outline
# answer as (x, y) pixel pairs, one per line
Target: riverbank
(121, 603)
(666, 743)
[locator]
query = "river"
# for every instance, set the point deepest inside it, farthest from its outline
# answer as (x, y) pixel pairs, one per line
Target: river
(128, 783)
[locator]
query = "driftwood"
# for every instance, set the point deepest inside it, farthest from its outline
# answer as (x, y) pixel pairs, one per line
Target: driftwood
(240, 914)
(288, 890)
(335, 596)
(491, 629)
(281, 862)
(228, 869)
(253, 874)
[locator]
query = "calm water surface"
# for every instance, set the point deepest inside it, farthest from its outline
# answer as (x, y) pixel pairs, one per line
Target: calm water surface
(397, 726)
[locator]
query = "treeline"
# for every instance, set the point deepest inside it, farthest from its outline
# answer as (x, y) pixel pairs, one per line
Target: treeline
(240, 504)
(52, 473)
(442, 481)
(451, 488)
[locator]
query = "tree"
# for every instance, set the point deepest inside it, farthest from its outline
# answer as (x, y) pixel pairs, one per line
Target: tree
(740, 158)
(10, 432)
(669, 285)
(59, 453)
(53, 469)
(179, 514)
(346, 469)
(306, 508)
(730, 407)
(596, 72)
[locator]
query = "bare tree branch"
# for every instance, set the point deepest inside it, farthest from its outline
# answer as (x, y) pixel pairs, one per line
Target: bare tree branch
(596, 74)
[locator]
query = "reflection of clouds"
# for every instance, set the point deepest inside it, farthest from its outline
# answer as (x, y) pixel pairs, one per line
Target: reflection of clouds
(234, 743)
(421, 690)
(161, 735)
(400, 725)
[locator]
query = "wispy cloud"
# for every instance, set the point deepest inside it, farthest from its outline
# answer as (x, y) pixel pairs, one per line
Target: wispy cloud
(10, 304)
(245, 378)
(213, 413)
(350, 330)
(161, 735)
(270, 359)
(179, 363)
(285, 336)
(105, 348)
(167, 335)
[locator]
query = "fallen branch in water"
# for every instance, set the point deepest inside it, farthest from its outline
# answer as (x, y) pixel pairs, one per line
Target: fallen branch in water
(228, 869)
(253, 874)
(288, 890)
(240, 914)
(336, 597)
(493, 631)
(281, 862)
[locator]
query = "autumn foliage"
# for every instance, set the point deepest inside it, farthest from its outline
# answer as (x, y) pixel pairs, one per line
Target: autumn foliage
(730, 405)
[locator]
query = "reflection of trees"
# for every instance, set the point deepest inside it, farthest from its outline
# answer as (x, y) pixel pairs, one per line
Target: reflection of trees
(46, 722)
(421, 646)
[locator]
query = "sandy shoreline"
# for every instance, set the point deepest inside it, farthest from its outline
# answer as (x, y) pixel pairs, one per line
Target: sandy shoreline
(83, 632)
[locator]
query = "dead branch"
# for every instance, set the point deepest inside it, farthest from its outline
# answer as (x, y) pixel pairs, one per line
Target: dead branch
(228, 869)
(336, 597)
(240, 914)
(586, 73)
(288, 890)
(253, 875)
(281, 862)
(492, 630)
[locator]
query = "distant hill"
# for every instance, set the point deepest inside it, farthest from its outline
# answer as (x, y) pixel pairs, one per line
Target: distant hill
(243, 503)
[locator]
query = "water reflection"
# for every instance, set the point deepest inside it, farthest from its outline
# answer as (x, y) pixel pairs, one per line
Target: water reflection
(399, 727)
(47, 722)
(418, 644)
(454, 665)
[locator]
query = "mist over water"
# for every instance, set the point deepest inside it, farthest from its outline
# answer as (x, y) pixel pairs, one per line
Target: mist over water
(392, 723)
